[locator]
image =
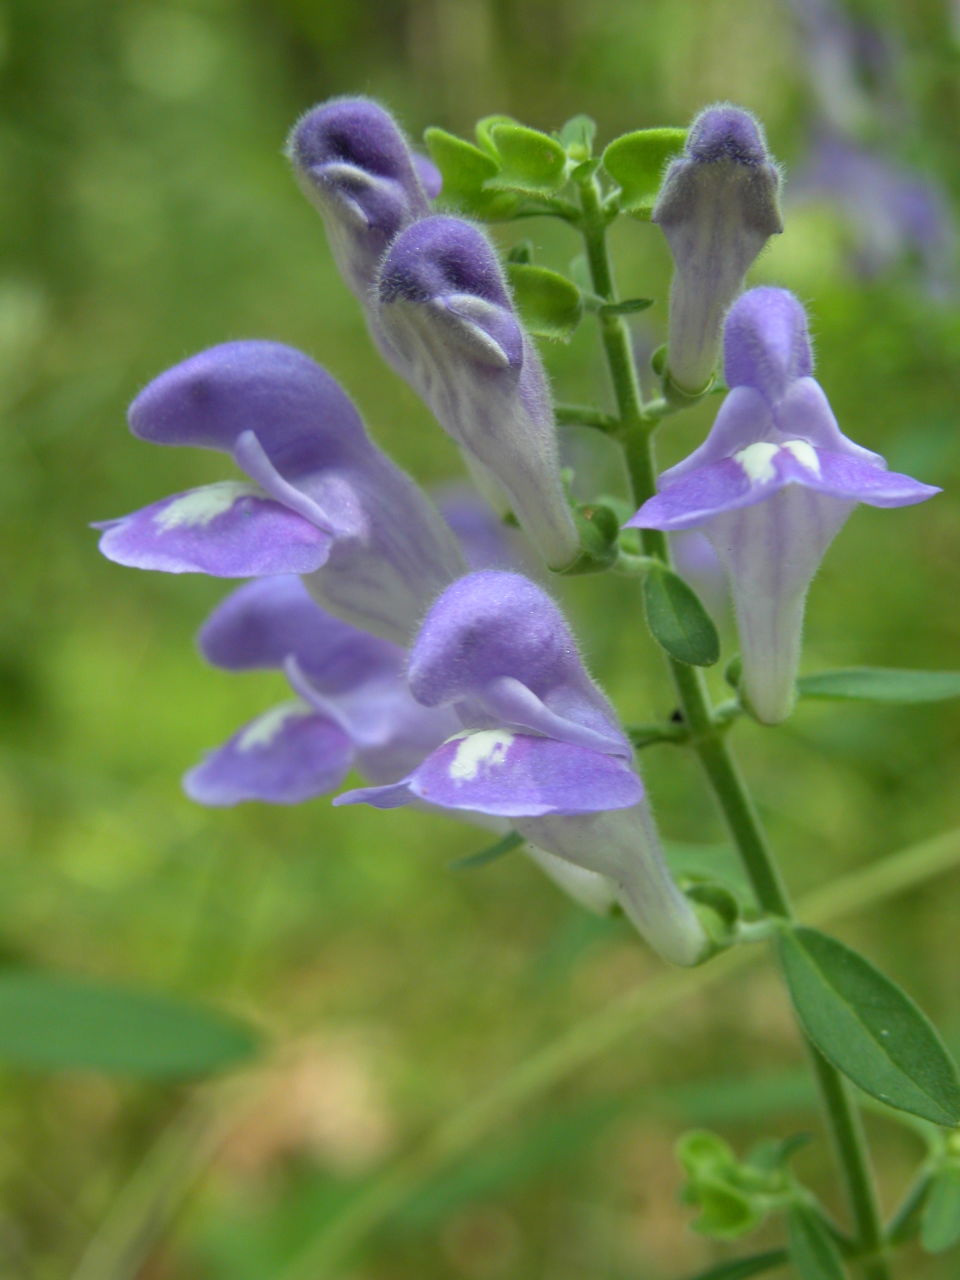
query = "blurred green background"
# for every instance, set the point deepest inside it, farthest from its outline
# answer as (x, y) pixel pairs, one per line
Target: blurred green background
(148, 212)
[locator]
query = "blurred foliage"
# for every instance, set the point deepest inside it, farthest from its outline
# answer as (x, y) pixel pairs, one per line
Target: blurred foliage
(147, 212)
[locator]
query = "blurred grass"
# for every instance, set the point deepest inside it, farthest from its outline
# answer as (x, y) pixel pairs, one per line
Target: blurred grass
(147, 212)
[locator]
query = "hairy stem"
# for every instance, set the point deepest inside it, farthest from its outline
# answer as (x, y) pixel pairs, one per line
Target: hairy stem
(707, 740)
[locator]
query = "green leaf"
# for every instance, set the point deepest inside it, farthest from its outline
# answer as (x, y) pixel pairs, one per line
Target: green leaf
(52, 1023)
(549, 303)
(490, 854)
(940, 1229)
(576, 138)
(625, 308)
(636, 163)
(881, 684)
(744, 1268)
(464, 169)
(812, 1249)
(483, 130)
(531, 162)
(678, 620)
(868, 1028)
(725, 1212)
(701, 1151)
(773, 1154)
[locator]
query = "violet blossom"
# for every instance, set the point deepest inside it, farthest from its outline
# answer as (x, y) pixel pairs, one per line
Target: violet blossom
(717, 207)
(322, 500)
(446, 311)
(770, 487)
(541, 746)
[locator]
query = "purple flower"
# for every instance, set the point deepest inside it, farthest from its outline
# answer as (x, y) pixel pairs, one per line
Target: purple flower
(446, 313)
(717, 207)
(323, 501)
(541, 746)
(770, 486)
(354, 165)
(353, 707)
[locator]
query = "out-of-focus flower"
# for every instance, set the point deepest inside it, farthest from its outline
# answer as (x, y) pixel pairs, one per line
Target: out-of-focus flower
(893, 213)
(323, 501)
(541, 747)
(447, 315)
(771, 485)
(717, 207)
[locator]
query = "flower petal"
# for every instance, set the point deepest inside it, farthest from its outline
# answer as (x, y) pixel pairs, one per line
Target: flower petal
(288, 755)
(264, 623)
(301, 416)
(702, 494)
(496, 643)
(766, 343)
(844, 476)
(496, 771)
(229, 530)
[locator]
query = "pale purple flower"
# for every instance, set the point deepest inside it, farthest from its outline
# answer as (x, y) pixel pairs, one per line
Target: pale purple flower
(446, 312)
(771, 485)
(541, 746)
(353, 709)
(322, 500)
(717, 207)
(355, 166)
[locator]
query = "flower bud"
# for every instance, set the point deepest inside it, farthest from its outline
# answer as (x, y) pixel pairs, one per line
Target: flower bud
(718, 206)
(354, 166)
(445, 311)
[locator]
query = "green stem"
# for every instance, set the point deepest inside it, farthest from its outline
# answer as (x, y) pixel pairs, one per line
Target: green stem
(707, 740)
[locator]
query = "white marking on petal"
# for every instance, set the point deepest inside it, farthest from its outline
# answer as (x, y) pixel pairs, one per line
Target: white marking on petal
(262, 731)
(203, 505)
(485, 749)
(805, 454)
(757, 461)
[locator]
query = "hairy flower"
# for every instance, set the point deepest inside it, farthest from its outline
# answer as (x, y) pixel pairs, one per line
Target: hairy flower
(770, 486)
(323, 501)
(541, 746)
(447, 314)
(717, 207)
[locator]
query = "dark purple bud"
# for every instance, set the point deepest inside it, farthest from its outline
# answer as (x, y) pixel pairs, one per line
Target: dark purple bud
(354, 165)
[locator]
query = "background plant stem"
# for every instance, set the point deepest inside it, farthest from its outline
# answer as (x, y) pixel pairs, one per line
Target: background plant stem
(842, 1117)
